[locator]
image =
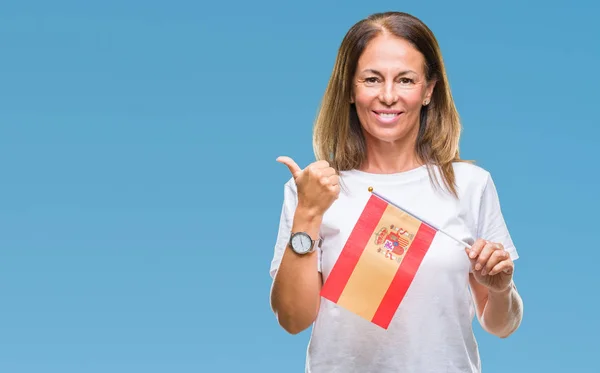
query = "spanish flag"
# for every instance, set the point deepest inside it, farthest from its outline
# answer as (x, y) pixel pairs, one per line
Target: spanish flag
(379, 261)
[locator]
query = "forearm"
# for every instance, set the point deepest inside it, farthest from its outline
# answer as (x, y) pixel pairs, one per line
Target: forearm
(503, 312)
(295, 295)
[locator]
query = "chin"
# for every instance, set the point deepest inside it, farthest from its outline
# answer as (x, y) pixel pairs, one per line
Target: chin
(385, 135)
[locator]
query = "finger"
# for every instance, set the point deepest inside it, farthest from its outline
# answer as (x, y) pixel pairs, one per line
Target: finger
(334, 180)
(289, 162)
(506, 266)
(335, 189)
(476, 248)
(329, 171)
(496, 257)
(485, 254)
(318, 166)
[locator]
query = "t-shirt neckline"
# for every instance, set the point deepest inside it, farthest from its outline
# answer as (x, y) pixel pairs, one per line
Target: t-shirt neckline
(397, 177)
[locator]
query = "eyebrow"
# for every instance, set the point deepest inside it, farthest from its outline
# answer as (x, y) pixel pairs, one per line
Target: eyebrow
(380, 74)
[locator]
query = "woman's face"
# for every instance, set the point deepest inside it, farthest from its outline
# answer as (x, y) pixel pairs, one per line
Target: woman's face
(390, 89)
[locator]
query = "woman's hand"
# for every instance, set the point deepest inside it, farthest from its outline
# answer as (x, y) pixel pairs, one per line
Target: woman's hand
(318, 185)
(492, 265)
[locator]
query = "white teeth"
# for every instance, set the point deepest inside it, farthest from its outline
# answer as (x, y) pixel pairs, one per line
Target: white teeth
(386, 115)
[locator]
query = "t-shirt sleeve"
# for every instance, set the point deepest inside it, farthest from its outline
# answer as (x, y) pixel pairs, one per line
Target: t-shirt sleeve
(491, 224)
(290, 201)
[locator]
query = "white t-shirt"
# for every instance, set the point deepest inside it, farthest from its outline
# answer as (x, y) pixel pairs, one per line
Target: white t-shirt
(431, 331)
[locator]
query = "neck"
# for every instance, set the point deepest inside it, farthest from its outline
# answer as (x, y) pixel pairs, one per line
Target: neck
(390, 157)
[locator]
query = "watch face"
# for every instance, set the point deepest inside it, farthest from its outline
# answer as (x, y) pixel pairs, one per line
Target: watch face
(301, 243)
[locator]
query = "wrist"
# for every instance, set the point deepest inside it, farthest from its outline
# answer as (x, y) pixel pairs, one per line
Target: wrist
(502, 292)
(307, 220)
(308, 214)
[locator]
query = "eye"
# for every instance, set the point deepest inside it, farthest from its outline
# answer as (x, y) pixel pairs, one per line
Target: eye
(372, 80)
(406, 81)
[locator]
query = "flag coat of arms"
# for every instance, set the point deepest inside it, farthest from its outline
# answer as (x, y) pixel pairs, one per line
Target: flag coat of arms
(378, 261)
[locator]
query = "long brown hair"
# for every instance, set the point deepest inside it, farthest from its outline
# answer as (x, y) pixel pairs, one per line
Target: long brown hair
(337, 135)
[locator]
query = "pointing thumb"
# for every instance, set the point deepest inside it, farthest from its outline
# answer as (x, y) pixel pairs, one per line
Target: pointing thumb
(289, 162)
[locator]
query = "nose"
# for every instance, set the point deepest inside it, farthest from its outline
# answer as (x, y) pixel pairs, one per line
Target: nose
(388, 94)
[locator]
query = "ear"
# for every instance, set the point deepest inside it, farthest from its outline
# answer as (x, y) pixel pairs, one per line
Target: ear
(429, 91)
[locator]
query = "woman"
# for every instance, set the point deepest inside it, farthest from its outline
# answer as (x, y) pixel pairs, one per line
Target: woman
(388, 120)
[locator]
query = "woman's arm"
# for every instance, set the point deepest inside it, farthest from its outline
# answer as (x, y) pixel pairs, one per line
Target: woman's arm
(499, 312)
(295, 295)
(498, 303)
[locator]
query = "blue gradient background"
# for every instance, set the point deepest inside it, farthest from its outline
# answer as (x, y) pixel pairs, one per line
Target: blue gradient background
(140, 197)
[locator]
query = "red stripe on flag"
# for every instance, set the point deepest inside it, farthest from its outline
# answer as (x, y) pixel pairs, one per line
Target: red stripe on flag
(404, 276)
(355, 245)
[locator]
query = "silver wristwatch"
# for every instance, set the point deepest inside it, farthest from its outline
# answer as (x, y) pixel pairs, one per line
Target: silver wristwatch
(302, 243)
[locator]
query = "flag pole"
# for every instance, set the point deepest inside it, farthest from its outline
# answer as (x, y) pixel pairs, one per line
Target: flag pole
(416, 217)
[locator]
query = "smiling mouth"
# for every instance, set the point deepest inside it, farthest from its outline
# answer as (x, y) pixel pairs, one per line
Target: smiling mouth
(387, 116)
